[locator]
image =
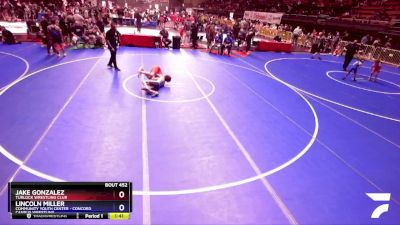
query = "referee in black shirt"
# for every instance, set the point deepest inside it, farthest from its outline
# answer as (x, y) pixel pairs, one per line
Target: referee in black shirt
(351, 49)
(112, 38)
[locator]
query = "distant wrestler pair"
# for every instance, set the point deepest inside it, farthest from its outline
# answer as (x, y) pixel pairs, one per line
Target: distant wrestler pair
(375, 69)
(155, 80)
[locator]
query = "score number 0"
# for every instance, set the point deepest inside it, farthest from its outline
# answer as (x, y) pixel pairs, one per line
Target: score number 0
(121, 195)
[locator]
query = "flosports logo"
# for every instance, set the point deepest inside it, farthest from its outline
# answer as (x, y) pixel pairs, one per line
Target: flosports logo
(379, 197)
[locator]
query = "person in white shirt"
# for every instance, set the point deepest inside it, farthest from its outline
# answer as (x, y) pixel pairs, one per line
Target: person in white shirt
(296, 34)
(354, 69)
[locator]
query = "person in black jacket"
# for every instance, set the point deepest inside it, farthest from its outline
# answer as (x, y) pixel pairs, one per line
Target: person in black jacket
(45, 37)
(8, 37)
(249, 37)
(138, 18)
(100, 24)
(236, 29)
(112, 39)
(194, 33)
(351, 49)
(164, 37)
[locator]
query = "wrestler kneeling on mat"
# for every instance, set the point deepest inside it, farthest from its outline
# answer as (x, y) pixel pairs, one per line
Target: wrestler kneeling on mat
(155, 80)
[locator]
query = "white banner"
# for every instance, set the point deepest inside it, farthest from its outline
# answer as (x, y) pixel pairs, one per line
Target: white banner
(15, 27)
(265, 17)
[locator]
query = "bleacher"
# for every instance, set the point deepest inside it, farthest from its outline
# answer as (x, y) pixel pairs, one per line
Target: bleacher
(391, 8)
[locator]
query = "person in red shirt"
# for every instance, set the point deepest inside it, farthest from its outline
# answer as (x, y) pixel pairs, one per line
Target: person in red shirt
(155, 80)
(162, 21)
(375, 69)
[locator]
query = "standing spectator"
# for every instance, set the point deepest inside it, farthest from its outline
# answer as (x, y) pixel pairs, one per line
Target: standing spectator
(249, 37)
(210, 34)
(194, 35)
(335, 41)
(241, 38)
(138, 18)
(346, 36)
(45, 38)
(296, 33)
(186, 28)
(100, 25)
(236, 29)
(244, 24)
(351, 49)
(162, 21)
(112, 39)
(365, 39)
(64, 28)
(317, 46)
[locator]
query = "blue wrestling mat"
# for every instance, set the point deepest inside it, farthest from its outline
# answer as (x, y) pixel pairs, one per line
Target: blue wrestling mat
(270, 138)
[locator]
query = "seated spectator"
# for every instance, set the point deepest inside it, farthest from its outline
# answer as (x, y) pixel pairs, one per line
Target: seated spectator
(388, 43)
(8, 37)
(78, 34)
(377, 43)
(100, 38)
(217, 41)
(94, 36)
(164, 37)
(277, 38)
(228, 42)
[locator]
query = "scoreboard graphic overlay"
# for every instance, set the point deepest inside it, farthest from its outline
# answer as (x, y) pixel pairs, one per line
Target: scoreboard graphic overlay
(70, 200)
